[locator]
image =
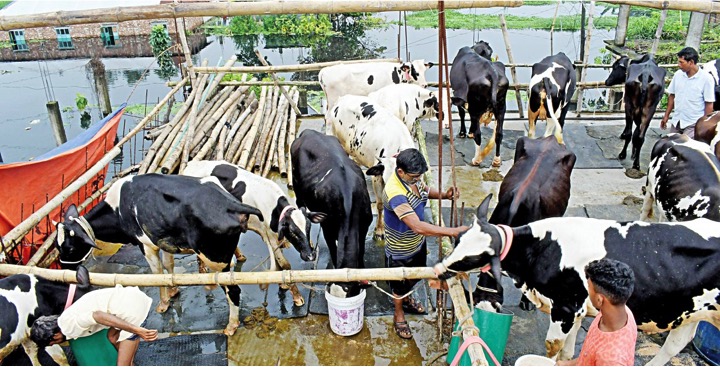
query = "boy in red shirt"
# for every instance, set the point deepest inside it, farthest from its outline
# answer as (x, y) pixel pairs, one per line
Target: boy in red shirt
(610, 341)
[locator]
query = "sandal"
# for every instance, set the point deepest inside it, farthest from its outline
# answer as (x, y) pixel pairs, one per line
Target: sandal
(402, 330)
(411, 306)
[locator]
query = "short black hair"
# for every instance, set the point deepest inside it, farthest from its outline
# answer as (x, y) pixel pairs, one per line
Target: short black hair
(611, 278)
(43, 330)
(689, 54)
(412, 161)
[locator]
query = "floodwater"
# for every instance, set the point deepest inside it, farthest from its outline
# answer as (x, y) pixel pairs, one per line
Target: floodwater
(25, 87)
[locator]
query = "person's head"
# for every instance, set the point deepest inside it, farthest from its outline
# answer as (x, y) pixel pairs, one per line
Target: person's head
(609, 281)
(45, 331)
(688, 59)
(411, 165)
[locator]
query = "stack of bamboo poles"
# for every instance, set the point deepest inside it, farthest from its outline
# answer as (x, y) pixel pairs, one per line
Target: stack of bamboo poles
(231, 124)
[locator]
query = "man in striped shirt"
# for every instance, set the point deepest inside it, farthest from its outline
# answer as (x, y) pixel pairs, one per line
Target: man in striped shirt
(404, 202)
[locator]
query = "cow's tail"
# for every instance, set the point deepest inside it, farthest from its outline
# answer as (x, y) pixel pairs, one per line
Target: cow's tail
(644, 84)
(495, 79)
(551, 113)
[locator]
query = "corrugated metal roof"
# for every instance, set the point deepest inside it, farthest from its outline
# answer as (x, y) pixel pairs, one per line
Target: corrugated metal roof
(29, 7)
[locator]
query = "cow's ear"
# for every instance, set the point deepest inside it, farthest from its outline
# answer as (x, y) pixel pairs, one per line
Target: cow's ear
(520, 147)
(316, 217)
(568, 161)
(376, 170)
(429, 64)
(430, 102)
(83, 277)
(496, 271)
(72, 212)
(482, 209)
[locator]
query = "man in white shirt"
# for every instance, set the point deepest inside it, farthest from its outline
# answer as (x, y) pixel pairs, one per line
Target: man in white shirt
(692, 93)
(122, 310)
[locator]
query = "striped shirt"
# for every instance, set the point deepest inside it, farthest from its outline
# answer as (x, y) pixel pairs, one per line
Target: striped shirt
(399, 201)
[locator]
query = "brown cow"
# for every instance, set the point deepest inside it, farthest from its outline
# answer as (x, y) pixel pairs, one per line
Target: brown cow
(706, 131)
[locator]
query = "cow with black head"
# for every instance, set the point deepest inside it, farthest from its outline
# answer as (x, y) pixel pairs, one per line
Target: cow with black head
(644, 86)
(676, 266)
(164, 215)
(482, 85)
(281, 219)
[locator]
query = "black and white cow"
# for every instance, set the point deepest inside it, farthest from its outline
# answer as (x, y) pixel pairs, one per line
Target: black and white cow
(165, 215)
(326, 180)
(409, 102)
(644, 86)
(713, 68)
(676, 266)
(281, 219)
(482, 85)
(552, 84)
(536, 187)
(24, 298)
(706, 131)
(363, 78)
(683, 180)
(372, 136)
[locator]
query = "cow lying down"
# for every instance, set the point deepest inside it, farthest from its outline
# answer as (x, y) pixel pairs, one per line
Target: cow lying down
(676, 266)
(24, 298)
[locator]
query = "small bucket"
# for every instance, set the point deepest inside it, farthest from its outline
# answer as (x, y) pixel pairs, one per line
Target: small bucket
(346, 314)
(534, 360)
(494, 330)
(707, 342)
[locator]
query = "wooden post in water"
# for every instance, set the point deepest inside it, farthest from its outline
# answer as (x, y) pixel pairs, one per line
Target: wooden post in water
(503, 26)
(622, 25)
(101, 85)
(53, 109)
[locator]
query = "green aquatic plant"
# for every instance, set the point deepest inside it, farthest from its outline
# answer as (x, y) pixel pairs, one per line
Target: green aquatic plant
(457, 20)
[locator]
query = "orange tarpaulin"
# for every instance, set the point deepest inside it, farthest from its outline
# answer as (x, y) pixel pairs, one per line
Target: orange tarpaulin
(27, 186)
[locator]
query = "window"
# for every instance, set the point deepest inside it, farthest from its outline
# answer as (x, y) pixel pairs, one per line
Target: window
(17, 39)
(64, 40)
(162, 23)
(110, 36)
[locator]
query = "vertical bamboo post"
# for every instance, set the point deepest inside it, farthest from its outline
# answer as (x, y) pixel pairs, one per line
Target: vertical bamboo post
(511, 59)
(191, 123)
(586, 55)
(53, 109)
(250, 137)
(463, 312)
(180, 27)
(695, 30)
(292, 126)
(552, 28)
(622, 25)
(275, 80)
(658, 31)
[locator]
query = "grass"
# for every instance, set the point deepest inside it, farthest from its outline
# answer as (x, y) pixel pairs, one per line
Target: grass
(138, 109)
(457, 20)
(5, 3)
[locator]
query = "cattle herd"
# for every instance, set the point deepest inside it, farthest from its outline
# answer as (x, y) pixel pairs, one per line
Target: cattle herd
(370, 114)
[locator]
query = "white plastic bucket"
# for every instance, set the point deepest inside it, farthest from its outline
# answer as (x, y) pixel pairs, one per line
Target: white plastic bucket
(346, 314)
(534, 360)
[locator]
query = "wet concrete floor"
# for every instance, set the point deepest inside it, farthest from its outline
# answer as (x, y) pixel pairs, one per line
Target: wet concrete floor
(279, 333)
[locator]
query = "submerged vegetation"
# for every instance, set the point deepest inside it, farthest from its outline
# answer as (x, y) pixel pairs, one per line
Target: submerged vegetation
(457, 20)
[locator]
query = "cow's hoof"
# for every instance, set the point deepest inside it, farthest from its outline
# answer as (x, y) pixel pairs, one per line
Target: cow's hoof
(284, 286)
(241, 258)
(173, 292)
(298, 300)
(162, 307)
(525, 304)
(497, 162)
(445, 126)
(210, 287)
(263, 287)
(622, 155)
(474, 162)
(462, 135)
(231, 328)
(379, 236)
(470, 136)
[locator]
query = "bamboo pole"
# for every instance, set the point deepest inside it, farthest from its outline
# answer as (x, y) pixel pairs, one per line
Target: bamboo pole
(275, 80)
(658, 31)
(220, 75)
(552, 28)
(267, 128)
(586, 54)
(226, 278)
(282, 143)
(463, 312)
(170, 144)
(292, 126)
(180, 26)
(508, 48)
(153, 134)
(285, 68)
(274, 145)
(214, 102)
(12, 238)
(227, 105)
(188, 129)
(241, 128)
(279, 82)
(227, 108)
(249, 139)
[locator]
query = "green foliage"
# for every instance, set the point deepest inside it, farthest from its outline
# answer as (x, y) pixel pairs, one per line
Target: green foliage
(5, 3)
(243, 25)
(644, 26)
(457, 20)
(314, 99)
(293, 24)
(80, 101)
(68, 109)
(605, 57)
(160, 42)
(139, 109)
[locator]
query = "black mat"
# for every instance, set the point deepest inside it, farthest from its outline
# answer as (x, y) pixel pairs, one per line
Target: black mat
(184, 350)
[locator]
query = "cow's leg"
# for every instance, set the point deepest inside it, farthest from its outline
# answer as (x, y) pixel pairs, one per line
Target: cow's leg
(568, 350)
(31, 349)
(463, 132)
(378, 187)
(57, 354)
(279, 262)
(556, 338)
(153, 258)
(232, 293)
(499, 123)
(648, 204)
(168, 262)
(481, 153)
(239, 255)
(627, 132)
(677, 340)
(532, 119)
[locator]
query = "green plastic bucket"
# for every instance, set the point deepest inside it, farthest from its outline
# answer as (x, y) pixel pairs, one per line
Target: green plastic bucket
(94, 350)
(494, 330)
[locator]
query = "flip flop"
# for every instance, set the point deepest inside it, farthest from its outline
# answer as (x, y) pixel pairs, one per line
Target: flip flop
(412, 306)
(402, 330)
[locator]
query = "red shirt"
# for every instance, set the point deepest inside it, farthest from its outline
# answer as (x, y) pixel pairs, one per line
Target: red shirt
(615, 348)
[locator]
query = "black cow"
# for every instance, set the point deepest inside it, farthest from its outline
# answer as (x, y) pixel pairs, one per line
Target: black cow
(481, 84)
(282, 219)
(175, 214)
(536, 187)
(644, 87)
(683, 179)
(676, 266)
(24, 298)
(706, 131)
(552, 84)
(713, 68)
(326, 180)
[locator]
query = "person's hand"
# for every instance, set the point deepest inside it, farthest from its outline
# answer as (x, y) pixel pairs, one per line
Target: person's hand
(438, 284)
(663, 123)
(148, 335)
(452, 193)
(460, 229)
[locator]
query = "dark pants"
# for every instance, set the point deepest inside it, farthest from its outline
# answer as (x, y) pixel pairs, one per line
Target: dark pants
(400, 287)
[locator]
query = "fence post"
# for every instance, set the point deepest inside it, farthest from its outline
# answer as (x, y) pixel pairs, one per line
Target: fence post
(53, 109)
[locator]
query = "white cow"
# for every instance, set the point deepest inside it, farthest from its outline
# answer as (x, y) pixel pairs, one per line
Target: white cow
(372, 136)
(363, 78)
(409, 102)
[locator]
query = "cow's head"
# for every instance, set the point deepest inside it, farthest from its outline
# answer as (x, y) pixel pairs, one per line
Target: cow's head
(385, 166)
(75, 239)
(618, 72)
(431, 109)
(478, 247)
(414, 72)
(294, 225)
(483, 49)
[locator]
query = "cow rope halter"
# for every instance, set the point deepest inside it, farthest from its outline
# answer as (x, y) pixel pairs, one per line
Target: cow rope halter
(85, 225)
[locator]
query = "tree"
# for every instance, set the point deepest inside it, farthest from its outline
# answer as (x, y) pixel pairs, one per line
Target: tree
(160, 42)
